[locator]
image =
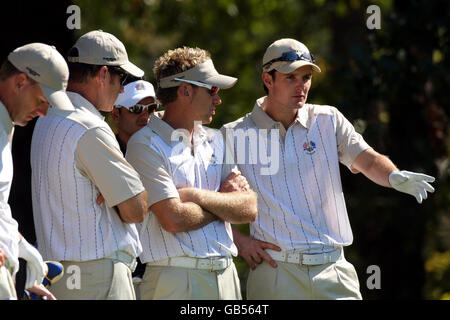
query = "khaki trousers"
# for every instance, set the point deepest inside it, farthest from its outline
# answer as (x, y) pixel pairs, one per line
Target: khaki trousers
(7, 288)
(102, 279)
(175, 283)
(290, 281)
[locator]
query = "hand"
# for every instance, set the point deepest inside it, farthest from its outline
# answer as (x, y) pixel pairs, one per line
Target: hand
(36, 267)
(2, 257)
(253, 250)
(42, 292)
(412, 183)
(234, 182)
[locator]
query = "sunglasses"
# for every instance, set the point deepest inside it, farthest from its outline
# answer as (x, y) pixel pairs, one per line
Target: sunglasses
(211, 89)
(292, 56)
(138, 108)
(123, 75)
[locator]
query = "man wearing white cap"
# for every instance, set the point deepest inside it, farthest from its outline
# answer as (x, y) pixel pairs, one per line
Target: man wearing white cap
(33, 77)
(186, 237)
(296, 246)
(132, 110)
(74, 158)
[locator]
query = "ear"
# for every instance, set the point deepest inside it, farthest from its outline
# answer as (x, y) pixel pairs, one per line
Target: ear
(267, 80)
(184, 91)
(20, 80)
(101, 76)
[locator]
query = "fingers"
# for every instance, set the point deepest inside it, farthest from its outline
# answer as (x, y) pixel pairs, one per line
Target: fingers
(421, 176)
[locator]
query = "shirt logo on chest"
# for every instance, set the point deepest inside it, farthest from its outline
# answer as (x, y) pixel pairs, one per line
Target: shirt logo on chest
(309, 147)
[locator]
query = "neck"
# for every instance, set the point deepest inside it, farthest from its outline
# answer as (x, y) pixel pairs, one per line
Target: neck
(178, 117)
(280, 113)
(123, 137)
(84, 89)
(6, 99)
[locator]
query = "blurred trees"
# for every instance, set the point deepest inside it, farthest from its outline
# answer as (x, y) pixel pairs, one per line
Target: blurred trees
(392, 83)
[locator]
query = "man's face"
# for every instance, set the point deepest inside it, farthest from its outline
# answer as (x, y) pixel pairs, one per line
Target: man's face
(129, 122)
(31, 103)
(204, 104)
(112, 89)
(290, 89)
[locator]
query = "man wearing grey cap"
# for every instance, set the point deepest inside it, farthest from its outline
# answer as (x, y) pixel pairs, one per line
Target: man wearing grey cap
(186, 237)
(296, 245)
(34, 76)
(75, 158)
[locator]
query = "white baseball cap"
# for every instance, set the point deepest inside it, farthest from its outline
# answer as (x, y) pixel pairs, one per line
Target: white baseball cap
(45, 65)
(102, 48)
(134, 92)
(287, 55)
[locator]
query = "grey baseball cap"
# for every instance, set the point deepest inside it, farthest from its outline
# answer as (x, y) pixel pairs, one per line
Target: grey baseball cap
(287, 55)
(102, 48)
(45, 65)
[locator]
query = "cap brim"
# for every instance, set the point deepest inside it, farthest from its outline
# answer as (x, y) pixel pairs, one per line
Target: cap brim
(221, 81)
(286, 67)
(132, 69)
(58, 99)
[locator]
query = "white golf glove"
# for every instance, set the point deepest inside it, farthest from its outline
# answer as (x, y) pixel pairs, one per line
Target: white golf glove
(36, 267)
(415, 184)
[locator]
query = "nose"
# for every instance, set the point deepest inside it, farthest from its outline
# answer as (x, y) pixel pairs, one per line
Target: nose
(217, 100)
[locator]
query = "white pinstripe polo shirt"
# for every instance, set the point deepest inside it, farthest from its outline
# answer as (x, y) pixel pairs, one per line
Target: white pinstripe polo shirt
(74, 157)
(164, 166)
(300, 203)
(9, 233)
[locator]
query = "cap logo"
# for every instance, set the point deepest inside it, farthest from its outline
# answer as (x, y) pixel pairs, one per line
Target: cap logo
(32, 72)
(109, 59)
(139, 86)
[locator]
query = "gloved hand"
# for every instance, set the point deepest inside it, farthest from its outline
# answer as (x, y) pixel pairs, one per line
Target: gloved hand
(36, 267)
(415, 184)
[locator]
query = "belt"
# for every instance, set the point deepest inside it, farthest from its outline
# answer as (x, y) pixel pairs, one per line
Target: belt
(306, 259)
(125, 258)
(211, 264)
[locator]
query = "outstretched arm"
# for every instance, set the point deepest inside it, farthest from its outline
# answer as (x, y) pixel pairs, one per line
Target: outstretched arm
(382, 171)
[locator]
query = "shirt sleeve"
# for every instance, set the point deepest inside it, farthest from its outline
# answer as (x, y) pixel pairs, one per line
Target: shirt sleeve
(99, 158)
(349, 142)
(152, 169)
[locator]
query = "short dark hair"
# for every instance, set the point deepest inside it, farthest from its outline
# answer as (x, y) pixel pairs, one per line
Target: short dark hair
(7, 70)
(80, 72)
(272, 74)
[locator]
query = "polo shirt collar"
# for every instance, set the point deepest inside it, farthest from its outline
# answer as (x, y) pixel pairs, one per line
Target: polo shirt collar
(5, 119)
(263, 121)
(165, 131)
(79, 101)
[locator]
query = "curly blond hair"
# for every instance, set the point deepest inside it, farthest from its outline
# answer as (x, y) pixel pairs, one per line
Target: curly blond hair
(173, 62)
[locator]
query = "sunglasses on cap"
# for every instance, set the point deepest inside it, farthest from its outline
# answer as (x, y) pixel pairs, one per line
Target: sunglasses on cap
(211, 89)
(123, 75)
(292, 56)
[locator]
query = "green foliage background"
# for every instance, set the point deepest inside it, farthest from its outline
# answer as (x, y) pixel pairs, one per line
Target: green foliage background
(392, 83)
